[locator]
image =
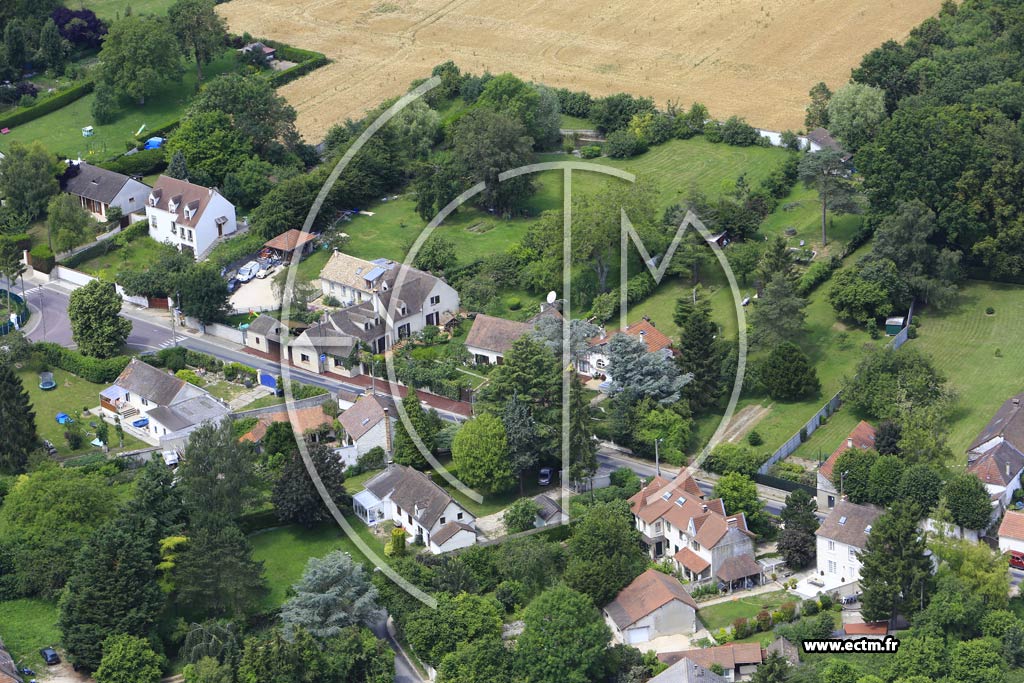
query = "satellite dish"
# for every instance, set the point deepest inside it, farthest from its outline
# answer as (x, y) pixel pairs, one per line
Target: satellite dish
(552, 295)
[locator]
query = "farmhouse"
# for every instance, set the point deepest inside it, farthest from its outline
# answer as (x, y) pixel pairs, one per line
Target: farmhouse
(262, 52)
(997, 454)
(189, 217)
(491, 338)
(863, 437)
(841, 537)
(156, 405)
(98, 189)
(652, 606)
(1011, 532)
(674, 519)
(368, 424)
(413, 502)
(595, 361)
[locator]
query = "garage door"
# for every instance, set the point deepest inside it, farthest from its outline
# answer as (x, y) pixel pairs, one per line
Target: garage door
(638, 635)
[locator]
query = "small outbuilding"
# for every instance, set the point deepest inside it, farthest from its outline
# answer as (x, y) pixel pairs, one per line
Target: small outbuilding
(893, 326)
(654, 605)
(286, 243)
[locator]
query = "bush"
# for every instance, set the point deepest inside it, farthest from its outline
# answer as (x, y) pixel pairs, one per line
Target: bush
(623, 144)
(396, 546)
(764, 621)
(237, 371)
(754, 438)
(788, 611)
(513, 303)
(511, 594)
(145, 162)
(95, 370)
(203, 360)
(301, 391)
(990, 311)
(736, 131)
(740, 628)
(818, 273)
(42, 258)
(808, 608)
(190, 377)
(590, 152)
(46, 106)
(172, 358)
(825, 601)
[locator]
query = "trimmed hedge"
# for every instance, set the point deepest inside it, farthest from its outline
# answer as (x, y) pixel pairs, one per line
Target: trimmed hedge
(95, 370)
(50, 104)
(42, 258)
(279, 78)
(146, 162)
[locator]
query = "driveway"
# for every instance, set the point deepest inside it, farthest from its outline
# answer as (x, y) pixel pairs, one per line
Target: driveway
(255, 294)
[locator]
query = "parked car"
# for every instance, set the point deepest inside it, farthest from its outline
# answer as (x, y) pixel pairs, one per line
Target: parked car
(248, 271)
(545, 476)
(265, 272)
(1016, 559)
(232, 285)
(50, 656)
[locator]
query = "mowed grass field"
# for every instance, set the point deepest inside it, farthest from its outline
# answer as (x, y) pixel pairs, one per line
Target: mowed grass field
(723, 614)
(61, 131)
(27, 625)
(111, 9)
(980, 354)
(753, 58)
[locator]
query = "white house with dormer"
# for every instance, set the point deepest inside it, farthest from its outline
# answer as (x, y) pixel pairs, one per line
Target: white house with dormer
(840, 540)
(191, 218)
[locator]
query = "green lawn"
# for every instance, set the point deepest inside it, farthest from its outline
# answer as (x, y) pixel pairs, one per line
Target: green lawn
(285, 550)
(110, 9)
(264, 402)
(61, 131)
(801, 211)
(72, 393)
(576, 122)
(980, 354)
(143, 250)
(27, 625)
(723, 614)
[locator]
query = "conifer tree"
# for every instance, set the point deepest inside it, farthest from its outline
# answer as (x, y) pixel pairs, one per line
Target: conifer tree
(17, 422)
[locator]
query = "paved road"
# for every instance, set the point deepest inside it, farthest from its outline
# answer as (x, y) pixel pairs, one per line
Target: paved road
(405, 672)
(610, 458)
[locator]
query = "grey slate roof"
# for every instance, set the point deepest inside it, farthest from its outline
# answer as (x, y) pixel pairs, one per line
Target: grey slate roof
(1008, 423)
(412, 491)
(93, 182)
(266, 326)
(150, 383)
(847, 523)
(448, 531)
(687, 671)
(548, 507)
(365, 414)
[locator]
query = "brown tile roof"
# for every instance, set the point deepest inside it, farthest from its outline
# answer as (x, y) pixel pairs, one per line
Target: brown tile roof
(647, 593)
(1012, 526)
(999, 465)
(737, 567)
(289, 241)
(495, 334)
(365, 414)
(727, 656)
(448, 531)
(184, 194)
(847, 523)
(713, 526)
(347, 270)
(691, 560)
(1008, 423)
(862, 436)
(305, 420)
(868, 628)
(648, 503)
(413, 491)
(655, 339)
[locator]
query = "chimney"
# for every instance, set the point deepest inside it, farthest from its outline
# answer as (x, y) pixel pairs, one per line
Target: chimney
(387, 430)
(849, 442)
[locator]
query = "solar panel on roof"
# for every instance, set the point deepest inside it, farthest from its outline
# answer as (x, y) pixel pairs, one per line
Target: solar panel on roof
(374, 274)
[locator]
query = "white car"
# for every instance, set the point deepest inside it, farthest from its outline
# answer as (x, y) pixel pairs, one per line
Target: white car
(266, 272)
(248, 271)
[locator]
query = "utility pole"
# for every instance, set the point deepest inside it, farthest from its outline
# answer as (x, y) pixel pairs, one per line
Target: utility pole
(42, 310)
(657, 461)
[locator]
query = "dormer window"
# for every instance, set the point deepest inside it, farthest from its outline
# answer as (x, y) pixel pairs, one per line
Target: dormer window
(153, 200)
(680, 501)
(667, 495)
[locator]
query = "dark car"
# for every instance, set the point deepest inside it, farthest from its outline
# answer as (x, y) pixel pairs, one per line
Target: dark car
(50, 656)
(545, 476)
(232, 285)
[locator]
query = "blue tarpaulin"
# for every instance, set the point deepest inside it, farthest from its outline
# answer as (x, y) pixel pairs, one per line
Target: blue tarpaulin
(154, 143)
(143, 422)
(64, 418)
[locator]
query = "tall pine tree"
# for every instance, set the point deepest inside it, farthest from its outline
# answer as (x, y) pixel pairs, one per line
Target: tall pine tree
(701, 356)
(17, 422)
(113, 589)
(582, 447)
(406, 450)
(216, 575)
(177, 168)
(521, 436)
(295, 496)
(896, 575)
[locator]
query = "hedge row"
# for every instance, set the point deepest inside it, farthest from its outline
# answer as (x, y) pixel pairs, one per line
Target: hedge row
(95, 370)
(305, 61)
(42, 258)
(48, 105)
(146, 162)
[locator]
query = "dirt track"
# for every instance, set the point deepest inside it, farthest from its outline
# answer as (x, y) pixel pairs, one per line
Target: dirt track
(755, 58)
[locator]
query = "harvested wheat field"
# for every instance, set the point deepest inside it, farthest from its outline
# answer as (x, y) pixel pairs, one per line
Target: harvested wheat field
(754, 58)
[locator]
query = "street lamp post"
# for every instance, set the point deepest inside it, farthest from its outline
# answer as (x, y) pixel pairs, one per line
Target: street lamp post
(657, 461)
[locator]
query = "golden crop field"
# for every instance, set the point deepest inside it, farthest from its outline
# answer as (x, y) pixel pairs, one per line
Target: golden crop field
(754, 58)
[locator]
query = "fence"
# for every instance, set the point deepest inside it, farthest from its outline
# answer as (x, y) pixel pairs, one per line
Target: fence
(783, 484)
(217, 330)
(71, 276)
(310, 402)
(832, 406)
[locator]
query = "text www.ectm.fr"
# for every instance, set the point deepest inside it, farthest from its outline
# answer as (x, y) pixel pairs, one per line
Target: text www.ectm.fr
(887, 645)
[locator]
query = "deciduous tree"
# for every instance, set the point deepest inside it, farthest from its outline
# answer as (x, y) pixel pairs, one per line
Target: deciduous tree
(137, 59)
(563, 638)
(129, 659)
(28, 178)
(487, 143)
(211, 146)
(855, 113)
(739, 494)
(968, 501)
(461, 618)
(604, 552)
(202, 293)
(68, 223)
(254, 107)
(97, 326)
(406, 451)
(295, 496)
(199, 29)
(480, 454)
(520, 516)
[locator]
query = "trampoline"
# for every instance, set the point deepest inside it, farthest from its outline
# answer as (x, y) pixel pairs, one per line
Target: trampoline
(46, 382)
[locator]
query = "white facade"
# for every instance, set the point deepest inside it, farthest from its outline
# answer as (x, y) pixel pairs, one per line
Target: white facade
(441, 299)
(463, 538)
(838, 561)
(484, 356)
(198, 239)
(1006, 544)
(376, 436)
(670, 619)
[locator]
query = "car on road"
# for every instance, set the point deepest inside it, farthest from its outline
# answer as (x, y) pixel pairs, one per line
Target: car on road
(50, 656)
(248, 271)
(545, 476)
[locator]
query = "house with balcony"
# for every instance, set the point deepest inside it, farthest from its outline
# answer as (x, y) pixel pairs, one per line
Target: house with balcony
(829, 482)
(412, 501)
(98, 189)
(189, 217)
(157, 406)
(595, 361)
(702, 540)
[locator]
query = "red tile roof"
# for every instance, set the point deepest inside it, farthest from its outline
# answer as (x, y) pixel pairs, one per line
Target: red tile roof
(869, 628)
(691, 560)
(727, 656)
(289, 241)
(862, 436)
(655, 339)
(305, 420)
(1012, 526)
